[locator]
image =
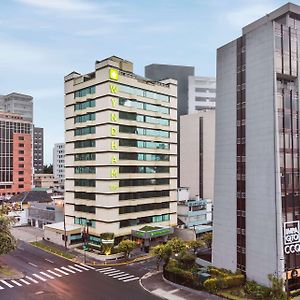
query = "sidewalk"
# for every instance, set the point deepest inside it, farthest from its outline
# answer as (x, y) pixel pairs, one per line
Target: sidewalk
(136, 255)
(156, 285)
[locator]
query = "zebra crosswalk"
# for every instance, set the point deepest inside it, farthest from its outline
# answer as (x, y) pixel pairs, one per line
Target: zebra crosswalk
(117, 274)
(43, 276)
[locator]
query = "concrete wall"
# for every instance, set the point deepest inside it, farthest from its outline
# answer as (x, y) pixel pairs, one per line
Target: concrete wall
(261, 199)
(224, 227)
(190, 152)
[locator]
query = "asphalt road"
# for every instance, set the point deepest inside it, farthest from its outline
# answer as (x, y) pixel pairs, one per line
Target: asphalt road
(49, 277)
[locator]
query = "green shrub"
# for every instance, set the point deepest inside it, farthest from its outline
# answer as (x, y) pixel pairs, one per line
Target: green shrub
(231, 281)
(258, 291)
(211, 285)
(186, 260)
(182, 277)
(219, 272)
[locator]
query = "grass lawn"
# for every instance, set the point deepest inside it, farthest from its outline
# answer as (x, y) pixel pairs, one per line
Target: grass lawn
(53, 250)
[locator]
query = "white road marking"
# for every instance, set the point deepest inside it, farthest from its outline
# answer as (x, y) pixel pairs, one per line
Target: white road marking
(7, 284)
(76, 269)
(47, 275)
(33, 280)
(16, 282)
(126, 274)
(82, 267)
(68, 270)
(49, 271)
(87, 266)
(131, 279)
(39, 277)
(1, 288)
(111, 272)
(119, 273)
(30, 263)
(24, 281)
(105, 269)
(61, 271)
(50, 261)
(127, 277)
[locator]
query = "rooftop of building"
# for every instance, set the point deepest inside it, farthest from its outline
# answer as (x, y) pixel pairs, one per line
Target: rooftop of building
(275, 14)
(24, 97)
(32, 196)
(125, 68)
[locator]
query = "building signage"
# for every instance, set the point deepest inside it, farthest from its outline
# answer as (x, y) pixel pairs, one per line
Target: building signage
(114, 74)
(114, 172)
(291, 236)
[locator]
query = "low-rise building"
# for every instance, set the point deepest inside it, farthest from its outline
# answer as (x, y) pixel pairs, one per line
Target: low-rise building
(46, 181)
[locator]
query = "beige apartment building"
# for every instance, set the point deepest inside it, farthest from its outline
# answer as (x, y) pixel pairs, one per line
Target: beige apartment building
(121, 150)
(197, 144)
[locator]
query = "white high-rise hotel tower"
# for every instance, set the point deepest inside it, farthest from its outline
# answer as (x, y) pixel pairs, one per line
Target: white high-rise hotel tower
(120, 151)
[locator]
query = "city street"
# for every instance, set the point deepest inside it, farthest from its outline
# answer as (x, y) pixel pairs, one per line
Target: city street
(50, 277)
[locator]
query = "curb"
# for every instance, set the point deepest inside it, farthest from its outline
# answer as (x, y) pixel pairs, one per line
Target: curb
(69, 259)
(119, 264)
(149, 274)
(96, 265)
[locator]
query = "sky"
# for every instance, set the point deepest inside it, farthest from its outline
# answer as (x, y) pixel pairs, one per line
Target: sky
(41, 41)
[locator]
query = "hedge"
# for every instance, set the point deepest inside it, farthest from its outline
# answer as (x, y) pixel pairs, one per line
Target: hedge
(215, 284)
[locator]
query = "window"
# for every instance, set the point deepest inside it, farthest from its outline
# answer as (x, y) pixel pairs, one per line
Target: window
(143, 93)
(144, 106)
(85, 144)
(143, 156)
(21, 186)
(21, 179)
(143, 131)
(142, 195)
(21, 158)
(143, 207)
(21, 145)
(21, 165)
(144, 220)
(21, 138)
(21, 172)
(83, 221)
(143, 182)
(144, 169)
(21, 151)
(142, 118)
(85, 182)
(83, 170)
(85, 130)
(83, 195)
(85, 104)
(85, 208)
(142, 144)
(85, 118)
(85, 156)
(84, 92)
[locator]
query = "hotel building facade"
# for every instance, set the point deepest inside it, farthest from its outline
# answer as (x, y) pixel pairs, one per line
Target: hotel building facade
(257, 188)
(15, 154)
(120, 150)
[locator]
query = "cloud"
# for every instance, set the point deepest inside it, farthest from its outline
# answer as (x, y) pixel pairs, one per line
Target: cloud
(24, 58)
(247, 14)
(60, 5)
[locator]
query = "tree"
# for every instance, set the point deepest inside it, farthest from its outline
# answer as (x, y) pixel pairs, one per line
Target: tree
(207, 239)
(127, 246)
(161, 252)
(195, 245)
(48, 169)
(7, 241)
(176, 245)
(186, 260)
